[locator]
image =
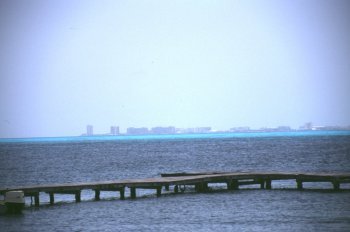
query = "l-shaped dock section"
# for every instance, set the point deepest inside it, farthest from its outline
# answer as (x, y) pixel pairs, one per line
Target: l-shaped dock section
(178, 181)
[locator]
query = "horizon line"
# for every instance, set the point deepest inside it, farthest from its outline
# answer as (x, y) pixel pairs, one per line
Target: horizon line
(109, 137)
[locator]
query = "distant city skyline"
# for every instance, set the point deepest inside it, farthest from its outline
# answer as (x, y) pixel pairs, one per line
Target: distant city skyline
(114, 130)
(224, 64)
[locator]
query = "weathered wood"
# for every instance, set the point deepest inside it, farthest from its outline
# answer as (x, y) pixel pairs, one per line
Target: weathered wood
(232, 184)
(249, 182)
(122, 193)
(166, 187)
(159, 191)
(65, 192)
(336, 185)
(133, 192)
(36, 200)
(77, 196)
(180, 180)
(121, 190)
(261, 182)
(268, 183)
(199, 180)
(201, 187)
(299, 184)
(52, 198)
(97, 195)
(147, 187)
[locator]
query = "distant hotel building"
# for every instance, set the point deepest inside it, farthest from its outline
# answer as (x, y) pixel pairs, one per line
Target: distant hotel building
(200, 130)
(276, 129)
(163, 130)
(137, 131)
(306, 126)
(240, 129)
(89, 130)
(114, 130)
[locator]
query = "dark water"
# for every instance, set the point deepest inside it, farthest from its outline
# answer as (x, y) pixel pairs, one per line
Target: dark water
(250, 209)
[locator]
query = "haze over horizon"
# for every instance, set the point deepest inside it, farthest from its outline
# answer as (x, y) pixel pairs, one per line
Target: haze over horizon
(66, 64)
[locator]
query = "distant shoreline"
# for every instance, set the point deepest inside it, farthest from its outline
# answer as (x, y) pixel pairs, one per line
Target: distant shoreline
(124, 137)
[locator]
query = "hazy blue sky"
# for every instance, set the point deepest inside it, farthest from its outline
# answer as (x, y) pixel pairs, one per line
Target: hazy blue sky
(66, 64)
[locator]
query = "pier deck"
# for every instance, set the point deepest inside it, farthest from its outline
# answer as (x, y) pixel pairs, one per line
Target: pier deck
(199, 180)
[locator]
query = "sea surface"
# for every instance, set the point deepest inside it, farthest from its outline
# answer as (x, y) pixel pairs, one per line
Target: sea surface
(25, 162)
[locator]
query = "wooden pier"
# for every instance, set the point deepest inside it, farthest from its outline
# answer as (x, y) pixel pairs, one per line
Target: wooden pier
(178, 181)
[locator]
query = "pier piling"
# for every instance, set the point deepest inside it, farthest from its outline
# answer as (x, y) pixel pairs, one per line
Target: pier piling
(52, 198)
(159, 191)
(201, 187)
(36, 199)
(232, 185)
(97, 195)
(77, 196)
(299, 184)
(268, 183)
(336, 185)
(132, 192)
(122, 193)
(262, 183)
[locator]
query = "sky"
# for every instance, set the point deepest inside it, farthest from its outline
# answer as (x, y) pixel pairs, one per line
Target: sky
(65, 64)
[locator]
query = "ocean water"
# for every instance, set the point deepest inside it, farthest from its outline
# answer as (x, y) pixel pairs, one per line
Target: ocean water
(83, 159)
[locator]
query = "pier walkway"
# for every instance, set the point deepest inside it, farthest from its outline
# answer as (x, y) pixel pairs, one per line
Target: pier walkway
(178, 181)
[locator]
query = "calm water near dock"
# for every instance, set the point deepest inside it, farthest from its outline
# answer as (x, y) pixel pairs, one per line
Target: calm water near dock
(63, 160)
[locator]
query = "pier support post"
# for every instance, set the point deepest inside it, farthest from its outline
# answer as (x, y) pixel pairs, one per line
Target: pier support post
(176, 189)
(205, 187)
(97, 195)
(133, 192)
(159, 191)
(197, 187)
(299, 184)
(201, 187)
(262, 183)
(268, 183)
(166, 187)
(232, 185)
(52, 198)
(122, 193)
(336, 185)
(77, 196)
(36, 199)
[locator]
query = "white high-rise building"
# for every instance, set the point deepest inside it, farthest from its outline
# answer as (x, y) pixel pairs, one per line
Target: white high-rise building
(89, 130)
(114, 130)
